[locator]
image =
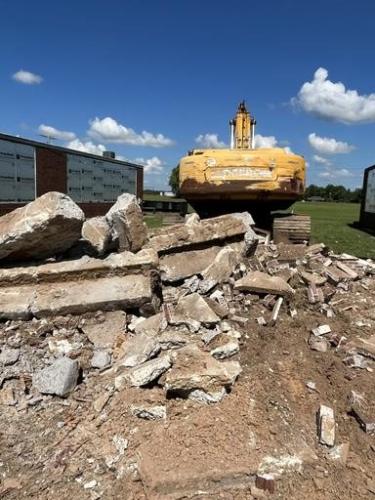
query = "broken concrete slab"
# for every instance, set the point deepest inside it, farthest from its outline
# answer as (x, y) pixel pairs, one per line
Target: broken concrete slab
(103, 334)
(97, 235)
(313, 278)
(126, 220)
(177, 267)
(59, 379)
(139, 349)
(347, 270)
(148, 372)
(363, 346)
(156, 412)
(77, 297)
(209, 335)
(191, 236)
(226, 350)
(259, 282)
(15, 302)
(47, 226)
(172, 340)
(151, 325)
(222, 266)
(363, 410)
(207, 398)
(335, 275)
(86, 267)
(219, 307)
(195, 307)
(327, 426)
(126, 292)
(194, 369)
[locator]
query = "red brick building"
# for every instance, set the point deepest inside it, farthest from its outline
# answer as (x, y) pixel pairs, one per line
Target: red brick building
(29, 169)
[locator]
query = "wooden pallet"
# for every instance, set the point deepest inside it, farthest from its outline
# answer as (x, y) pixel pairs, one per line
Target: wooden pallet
(292, 229)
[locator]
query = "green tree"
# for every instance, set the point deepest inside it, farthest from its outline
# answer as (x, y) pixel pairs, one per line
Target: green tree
(174, 180)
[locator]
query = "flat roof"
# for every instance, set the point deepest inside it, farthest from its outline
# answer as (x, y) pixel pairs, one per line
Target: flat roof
(29, 142)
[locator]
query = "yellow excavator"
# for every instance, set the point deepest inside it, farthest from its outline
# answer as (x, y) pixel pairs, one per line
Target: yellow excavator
(242, 177)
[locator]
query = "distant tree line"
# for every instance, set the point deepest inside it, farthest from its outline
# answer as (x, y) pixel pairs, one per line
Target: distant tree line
(333, 193)
(174, 180)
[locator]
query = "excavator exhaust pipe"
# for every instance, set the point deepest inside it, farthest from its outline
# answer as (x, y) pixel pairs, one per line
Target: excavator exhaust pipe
(231, 125)
(252, 140)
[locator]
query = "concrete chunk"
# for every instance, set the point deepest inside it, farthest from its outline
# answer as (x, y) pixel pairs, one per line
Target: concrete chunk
(60, 378)
(104, 334)
(97, 234)
(327, 426)
(49, 225)
(126, 221)
(195, 307)
(259, 282)
(176, 267)
(226, 350)
(149, 371)
(222, 266)
(156, 412)
(100, 359)
(150, 326)
(364, 346)
(139, 349)
(321, 330)
(9, 356)
(208, 231)
(195, 369)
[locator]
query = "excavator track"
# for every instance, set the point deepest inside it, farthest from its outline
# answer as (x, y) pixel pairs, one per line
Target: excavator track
(291, 229)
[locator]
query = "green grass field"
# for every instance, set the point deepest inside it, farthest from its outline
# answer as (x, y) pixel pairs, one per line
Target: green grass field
(331, 224)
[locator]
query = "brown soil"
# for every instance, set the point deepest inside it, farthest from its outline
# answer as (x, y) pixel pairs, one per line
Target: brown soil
(52, 449)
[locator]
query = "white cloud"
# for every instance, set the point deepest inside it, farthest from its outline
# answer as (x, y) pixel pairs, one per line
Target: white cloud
(321, 160)
(210, 141)
(336, 173)
(27, 77)
(329, 145)
(261, 141)
(333, 101)
(152, 165)
(265, 141)
(270, 141)
(86, 147)
(109, 130)
(55, 133)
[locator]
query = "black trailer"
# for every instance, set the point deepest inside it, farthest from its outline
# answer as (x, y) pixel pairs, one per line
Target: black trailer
(367, 217)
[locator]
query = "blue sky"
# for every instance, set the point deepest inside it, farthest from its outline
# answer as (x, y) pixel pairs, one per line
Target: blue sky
(151, 79)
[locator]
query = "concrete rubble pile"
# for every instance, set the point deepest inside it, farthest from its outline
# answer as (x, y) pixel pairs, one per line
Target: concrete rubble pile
(170, 310)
